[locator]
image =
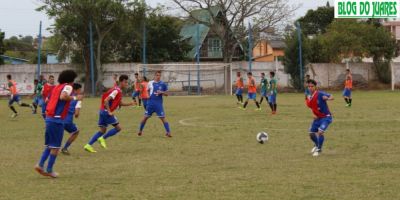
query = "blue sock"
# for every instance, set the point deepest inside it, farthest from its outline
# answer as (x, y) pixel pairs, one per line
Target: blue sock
(166, 126)
(52, 160)
(142, 124)
(321, 139)
(313, 137)
(95, 137)
(110, 133)
(67, 144)
(44, 157)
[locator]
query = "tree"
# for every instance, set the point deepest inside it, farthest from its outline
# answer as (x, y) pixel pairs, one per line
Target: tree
(316, 21)
(230, 25)
(72, 19)
(2, 49)
(291, 58)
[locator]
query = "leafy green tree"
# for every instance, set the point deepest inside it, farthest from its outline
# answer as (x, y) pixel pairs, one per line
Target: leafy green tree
(2, 49)
(291, 58)
(316, 21)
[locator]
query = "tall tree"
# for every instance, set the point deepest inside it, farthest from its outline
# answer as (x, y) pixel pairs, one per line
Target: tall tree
(72, 19)
(231, 25)
(2, 49)
(291, 60)
(316, 21)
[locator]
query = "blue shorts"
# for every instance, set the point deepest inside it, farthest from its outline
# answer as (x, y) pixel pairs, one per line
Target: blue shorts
(70, 127)
(105, 119)
(272, 99)
(135, 94)
(320, 124)
(54, 134)
(38, 101)
(239, 91)
(347, 92)
(15, 98)
(264, 93)
(154, 108)
(251, 95)
(145, 102)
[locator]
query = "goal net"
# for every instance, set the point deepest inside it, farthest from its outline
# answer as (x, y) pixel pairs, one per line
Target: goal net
(191, 78)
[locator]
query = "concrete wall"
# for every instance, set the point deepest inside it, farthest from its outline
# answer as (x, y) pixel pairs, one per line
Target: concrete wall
(215, 77)
(330, 75)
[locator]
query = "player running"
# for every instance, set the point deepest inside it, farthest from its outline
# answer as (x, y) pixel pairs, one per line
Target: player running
(317, 102)
(69, 125)
(110, 101)
(239, 88)
(157, 89)
(348, 85)
(38, 87)
(14, 97)
(264, 88)
(272, 92)
(46, 92)
(144, 92)
(136, 90)
(56, 111)
(252, 91)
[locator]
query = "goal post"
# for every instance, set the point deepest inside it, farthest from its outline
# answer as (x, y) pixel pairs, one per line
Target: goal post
(191, 78)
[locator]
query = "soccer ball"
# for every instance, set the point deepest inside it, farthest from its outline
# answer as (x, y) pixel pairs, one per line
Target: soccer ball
(262, 137)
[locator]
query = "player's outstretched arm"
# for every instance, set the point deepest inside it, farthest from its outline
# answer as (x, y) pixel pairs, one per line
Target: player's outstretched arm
(328, 98)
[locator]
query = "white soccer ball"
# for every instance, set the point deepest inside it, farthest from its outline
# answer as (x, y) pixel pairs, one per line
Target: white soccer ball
(262, 137)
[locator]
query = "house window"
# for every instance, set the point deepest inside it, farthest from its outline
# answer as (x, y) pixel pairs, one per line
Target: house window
(214, 47)
(214, 44)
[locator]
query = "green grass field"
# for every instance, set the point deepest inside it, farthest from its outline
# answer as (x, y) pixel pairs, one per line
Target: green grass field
(214, 154)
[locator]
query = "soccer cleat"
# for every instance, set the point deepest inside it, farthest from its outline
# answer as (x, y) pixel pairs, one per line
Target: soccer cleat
(14, 115)
(140, 133)
(65, 152)
(102, 142)
(168, 135)
(33, 109)
(347, 105)
(258, 109)
(273, 112)
(40, 170)
(242, 108)
(314, 149)
(316, 153)
(89, 148)
(51, 174)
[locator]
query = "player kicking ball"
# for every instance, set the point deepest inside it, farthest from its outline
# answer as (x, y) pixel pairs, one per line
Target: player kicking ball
(157, 89)
(110, 101)
(317, 102)
(56, 111)
(69, 125)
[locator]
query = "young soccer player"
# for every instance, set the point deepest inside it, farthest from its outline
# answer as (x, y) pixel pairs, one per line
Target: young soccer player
(157, 89)
(239, 88)
(110, 101)
(264, 87)
(348, 85)
(144, 92)
(56, 111)
(69, 125)
(46, 92)
(272, 92)
(252, 91)
(38, 99)
(317, 102)
(14, 97)
(136, 90)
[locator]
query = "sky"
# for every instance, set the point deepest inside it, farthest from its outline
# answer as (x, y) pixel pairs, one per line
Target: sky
(18, 17)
